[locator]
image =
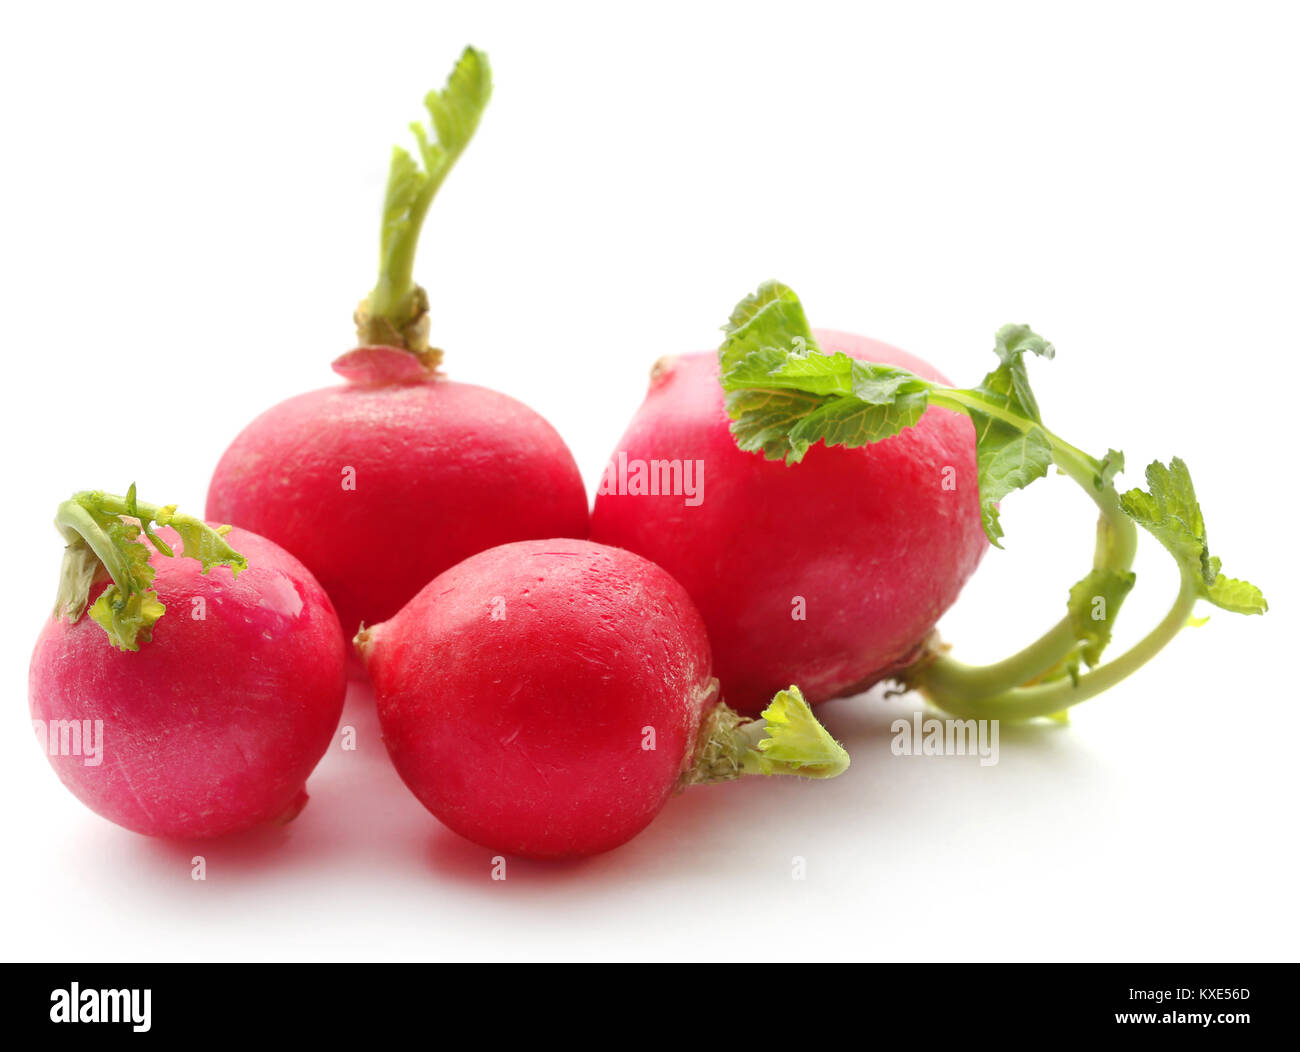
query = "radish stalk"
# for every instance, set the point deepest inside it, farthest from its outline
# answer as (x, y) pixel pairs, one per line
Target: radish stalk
(786, 740)
(396, 313)
(399, 441)
(784, 395)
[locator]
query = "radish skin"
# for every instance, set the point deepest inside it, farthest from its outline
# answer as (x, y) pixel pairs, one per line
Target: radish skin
(214, 723)
(525, 733)
(381, 484)
(546, 698)
(869, 545)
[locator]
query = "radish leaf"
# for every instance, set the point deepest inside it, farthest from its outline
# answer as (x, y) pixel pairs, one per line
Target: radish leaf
(1094, 602)
(1170, 512)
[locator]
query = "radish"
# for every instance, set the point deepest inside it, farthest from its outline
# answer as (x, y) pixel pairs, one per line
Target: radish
(463, 467)
(889, 474)
(202, 722)
(830, 575)
(546, 698)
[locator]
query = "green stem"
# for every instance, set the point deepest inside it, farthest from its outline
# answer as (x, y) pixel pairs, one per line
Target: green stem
(74, 522)
(1048, 699)
(1115, 548)
(396, 313)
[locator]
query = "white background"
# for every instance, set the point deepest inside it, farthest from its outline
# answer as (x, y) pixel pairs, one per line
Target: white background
(189, 203)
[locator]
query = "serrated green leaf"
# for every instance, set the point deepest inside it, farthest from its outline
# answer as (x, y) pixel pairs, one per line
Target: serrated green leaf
(812, 373)
(771, 318)
(1013, 342)
(784, 395)
(795, 743)
(852, 422)
(765, 419)
(1009, 455)
(1238, 597)
(200, 541)
(1093, 605)
(128, 619)
(1008, 385)
(1007, 460)
(1170, 512)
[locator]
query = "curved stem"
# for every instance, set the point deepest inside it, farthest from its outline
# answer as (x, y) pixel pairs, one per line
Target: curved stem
(75, 523)
(1115, 548)
(947, 675)
(1047, 699)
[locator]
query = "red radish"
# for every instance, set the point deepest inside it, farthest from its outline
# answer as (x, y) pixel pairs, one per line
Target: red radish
(870, 519)
(546, 698)
(411, 472)
(828, 573)
(206, 720)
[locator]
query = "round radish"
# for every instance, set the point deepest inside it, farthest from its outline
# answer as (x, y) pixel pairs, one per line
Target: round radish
(463, 467)
(546, 698)
(874, 519)
(828, 573)
(206, 720)
(467, 467)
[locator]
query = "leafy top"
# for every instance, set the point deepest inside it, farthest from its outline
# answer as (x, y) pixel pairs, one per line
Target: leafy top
(396, 312)
(102, 544)
(1169, 510)
(795, 743)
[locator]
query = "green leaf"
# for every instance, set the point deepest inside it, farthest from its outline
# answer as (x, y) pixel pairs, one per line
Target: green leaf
(784, 395)
(456, 110)
(1108, 467)
(1011, 343)
(770, 319)
(1170, 512)
(795, 743)
(127, 618)
(1238, 597)
(102, 543)
(1094, 604)
(853, 422)
(765, 418)
(1009, 451)
(200, 541)
(1007, 460)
